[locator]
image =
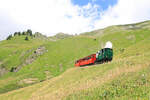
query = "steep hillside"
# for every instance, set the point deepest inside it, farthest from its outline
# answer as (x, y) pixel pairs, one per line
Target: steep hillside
(125, 77)
(57, 57)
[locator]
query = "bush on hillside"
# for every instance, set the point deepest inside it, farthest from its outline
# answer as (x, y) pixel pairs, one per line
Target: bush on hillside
(9, 37)
(17, 33)
(24, 33)
(26, 38)
(29, 32)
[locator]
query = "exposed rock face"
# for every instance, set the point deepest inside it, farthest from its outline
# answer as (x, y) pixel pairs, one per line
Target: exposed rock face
(1, 62)
(39, 51)
(3, 71)
(28, 81)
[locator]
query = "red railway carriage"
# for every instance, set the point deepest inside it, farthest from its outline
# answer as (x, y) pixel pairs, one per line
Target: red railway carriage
(86, 60)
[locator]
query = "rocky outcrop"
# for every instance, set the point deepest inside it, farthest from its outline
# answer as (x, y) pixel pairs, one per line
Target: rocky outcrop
(3, 71)
(28, 81)
(39, 51)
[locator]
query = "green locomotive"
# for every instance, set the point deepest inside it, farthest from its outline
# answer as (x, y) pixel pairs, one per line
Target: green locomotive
(104, 55)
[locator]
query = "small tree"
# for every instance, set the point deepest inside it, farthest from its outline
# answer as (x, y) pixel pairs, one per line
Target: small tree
(23, 33)
(26, 38)
(9, 37)
(15, 33)
(29, 32)
(19, 33)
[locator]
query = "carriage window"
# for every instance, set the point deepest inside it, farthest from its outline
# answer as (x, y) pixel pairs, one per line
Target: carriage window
(87, 58)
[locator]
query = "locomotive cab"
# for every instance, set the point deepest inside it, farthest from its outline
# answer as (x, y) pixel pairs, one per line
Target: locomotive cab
(104, 55)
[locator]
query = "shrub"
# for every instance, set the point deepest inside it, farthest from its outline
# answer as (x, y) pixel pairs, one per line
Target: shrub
(15, 33)
(23, 33)
(9, 37)
(29, 32)
(26, 38)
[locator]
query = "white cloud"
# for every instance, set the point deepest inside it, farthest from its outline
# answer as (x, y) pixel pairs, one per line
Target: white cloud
(124, 12)
(52, 16)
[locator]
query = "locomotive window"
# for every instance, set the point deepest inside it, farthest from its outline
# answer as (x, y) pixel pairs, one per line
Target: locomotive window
(101, 51)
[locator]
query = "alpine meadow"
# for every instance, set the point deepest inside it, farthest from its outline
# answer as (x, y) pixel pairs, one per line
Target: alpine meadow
(37, 67)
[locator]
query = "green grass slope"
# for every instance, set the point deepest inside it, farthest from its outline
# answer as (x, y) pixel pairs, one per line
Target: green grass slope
(126, 77)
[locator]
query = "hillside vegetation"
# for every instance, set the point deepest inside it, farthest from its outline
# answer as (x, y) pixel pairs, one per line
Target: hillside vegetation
(49, 62)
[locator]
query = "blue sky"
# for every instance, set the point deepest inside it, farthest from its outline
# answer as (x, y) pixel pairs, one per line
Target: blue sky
(104, 4)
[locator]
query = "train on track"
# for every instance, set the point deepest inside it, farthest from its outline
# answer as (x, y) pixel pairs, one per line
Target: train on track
(103, 55)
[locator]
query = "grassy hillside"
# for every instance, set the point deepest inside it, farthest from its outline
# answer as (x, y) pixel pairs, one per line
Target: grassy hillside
(127, 76)
(59, 56)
